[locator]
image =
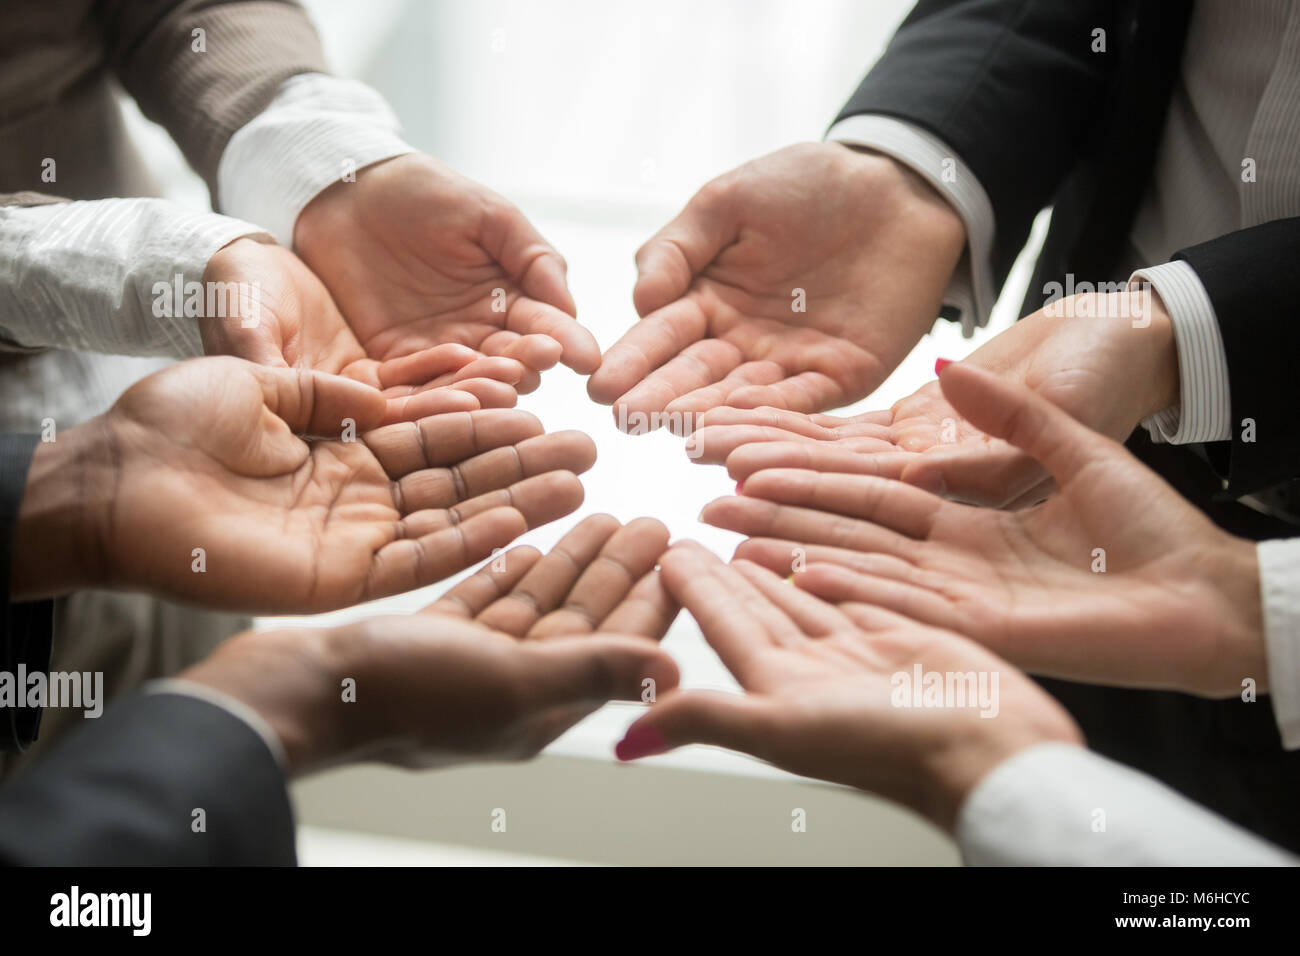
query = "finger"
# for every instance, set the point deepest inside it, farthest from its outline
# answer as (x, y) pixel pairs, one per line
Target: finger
(740, 722)
(670, 259)
(993, 474)
(890, 504)
(529, 260)
(468, 598)
(570, 451)
(699, 364)
(541, 499)
(315, 403)
(648, 610)
(626, 557)
(786, 559)
(442, 401)
(578, 348)
(411, 563)
(488, 392)
(813, 617)
(425, 365)
(737, 620)
(755, 517)
(796, 423)
(1025, 419)
(881, 418)
(447, 439)
(549, 580)
(538, 352)
(872, 618)
(590, 669)
(712, 396)
(644, 347)
(839, 585)
(805, 392)
(715, 442)
(751, 458)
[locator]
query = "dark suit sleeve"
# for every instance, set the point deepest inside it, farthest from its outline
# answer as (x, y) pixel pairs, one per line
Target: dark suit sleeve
(124, 789)
(1012, 86)
(1250, 276)
(25, 629)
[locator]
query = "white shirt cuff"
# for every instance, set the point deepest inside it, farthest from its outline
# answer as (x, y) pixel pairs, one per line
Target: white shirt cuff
(971, 290)
(1204, 412)
(1279, 590)
(1061, 805)
(235, 707)
(318, 130)
(105, 276)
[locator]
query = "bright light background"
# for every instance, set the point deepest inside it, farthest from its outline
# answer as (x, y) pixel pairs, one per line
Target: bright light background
(600, 118)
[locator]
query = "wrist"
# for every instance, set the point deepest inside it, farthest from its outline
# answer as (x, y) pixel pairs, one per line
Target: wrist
(951, 772)
(64, 518)
(1243, 654)
(286, 677)
(1150, 319)
(913, 196)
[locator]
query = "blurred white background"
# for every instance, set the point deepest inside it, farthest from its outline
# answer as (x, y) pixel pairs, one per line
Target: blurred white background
(600, 118)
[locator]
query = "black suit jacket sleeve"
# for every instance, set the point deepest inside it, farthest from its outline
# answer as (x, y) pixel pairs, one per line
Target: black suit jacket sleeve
(1013, 86)
(1250, 276)
(25, 629)
(124, 790)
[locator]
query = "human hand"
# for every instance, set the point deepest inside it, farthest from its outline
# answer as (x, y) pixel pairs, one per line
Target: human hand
(870, 244)
(418, 256)
(1113, 579)
(496, 669)
(1084, 354)
(821, 691)
(282, 316)
(197, 486)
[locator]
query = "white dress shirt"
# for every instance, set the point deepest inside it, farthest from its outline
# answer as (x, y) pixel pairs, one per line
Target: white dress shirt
(82, 275)
(1238, 98)
(1061, 805)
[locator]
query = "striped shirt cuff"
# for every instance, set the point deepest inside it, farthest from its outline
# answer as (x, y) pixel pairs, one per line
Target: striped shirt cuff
(1204, 412)
(110, 275)
(1279, 588)
(318, 130)
(971, 290)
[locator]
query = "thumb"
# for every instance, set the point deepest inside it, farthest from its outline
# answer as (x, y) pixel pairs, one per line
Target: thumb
(735, 721)
(319, 404)
(1024, 419)
(570, 670)
(669, 260)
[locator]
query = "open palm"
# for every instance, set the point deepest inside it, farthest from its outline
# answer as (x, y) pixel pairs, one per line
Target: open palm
(821, 690)
(1098, 366)
(1114, 578)
(417, 256)
(528, 646)
(216, 499)
(774, 288)
(284, 317)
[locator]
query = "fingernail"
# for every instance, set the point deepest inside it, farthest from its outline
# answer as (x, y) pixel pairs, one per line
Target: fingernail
(940, 364)
(740, 487)
(640, 742)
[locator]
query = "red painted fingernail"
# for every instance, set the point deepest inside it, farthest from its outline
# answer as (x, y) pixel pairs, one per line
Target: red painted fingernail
(640, 742)
(941, 364)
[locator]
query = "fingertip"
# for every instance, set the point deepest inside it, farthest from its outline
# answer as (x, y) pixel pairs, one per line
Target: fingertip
(641, 740)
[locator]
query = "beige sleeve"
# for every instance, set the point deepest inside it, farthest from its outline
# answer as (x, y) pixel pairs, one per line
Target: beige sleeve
(28, 199)
(203, 86)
